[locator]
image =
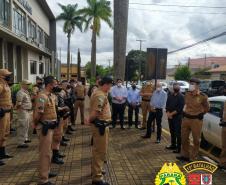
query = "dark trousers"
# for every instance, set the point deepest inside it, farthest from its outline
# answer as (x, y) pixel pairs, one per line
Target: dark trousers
(72, 115)
(175, 130)
(130, 115)
(118, 110)
(158, 117)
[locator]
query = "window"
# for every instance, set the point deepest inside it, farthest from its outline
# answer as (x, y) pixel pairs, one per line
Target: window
(4, 12)
(31, 29)
(40, 35)
(33, 67)
(63, 75)
(41, 68)
(216, 108)
(46, 41)
(19, 23)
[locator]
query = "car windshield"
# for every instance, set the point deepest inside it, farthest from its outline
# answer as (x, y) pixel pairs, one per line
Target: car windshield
(181, 84)
(216, 108)
(204, 85)
(218, 83)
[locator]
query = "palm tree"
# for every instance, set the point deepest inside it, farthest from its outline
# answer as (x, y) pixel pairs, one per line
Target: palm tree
(72, 20)
(95, 12)
(120, 37)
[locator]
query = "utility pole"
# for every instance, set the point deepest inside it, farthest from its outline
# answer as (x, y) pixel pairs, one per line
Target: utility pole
(109, 63)
(71, 64)
(141, 42)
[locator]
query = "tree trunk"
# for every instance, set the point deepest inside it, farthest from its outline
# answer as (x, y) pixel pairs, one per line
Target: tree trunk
(120, 37)
(68, 56)
(79, 64)
(93, 55)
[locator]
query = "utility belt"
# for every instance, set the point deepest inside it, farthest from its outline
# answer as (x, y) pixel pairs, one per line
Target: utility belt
(63, 114)
(80, 99)
(3, 111)
(145, 100)
(199, 116)
(101, 125)
(46, 125)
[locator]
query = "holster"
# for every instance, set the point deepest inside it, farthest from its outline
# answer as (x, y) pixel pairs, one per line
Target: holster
(101, 125)
(47, 125)
(3, 111)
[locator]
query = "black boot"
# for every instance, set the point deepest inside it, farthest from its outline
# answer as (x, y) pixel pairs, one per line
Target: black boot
(56, 159)
(3, 154)
(62, 143)
(2, 163)
(65, 139)
(71, 128)
(59, 155)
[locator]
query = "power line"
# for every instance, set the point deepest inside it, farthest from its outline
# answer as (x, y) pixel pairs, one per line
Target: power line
(181, 6)
(197, 43)
(181, 12)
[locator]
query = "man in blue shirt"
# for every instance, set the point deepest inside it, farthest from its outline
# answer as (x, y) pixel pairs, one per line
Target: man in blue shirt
(133, 104)
(119, 97)
(158, 103)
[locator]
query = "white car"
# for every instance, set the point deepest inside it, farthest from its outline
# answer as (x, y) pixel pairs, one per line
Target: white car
(164, 85)
(184, 86)
(211, 127)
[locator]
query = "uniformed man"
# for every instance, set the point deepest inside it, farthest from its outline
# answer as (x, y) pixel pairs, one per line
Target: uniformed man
(196, 105)
(100, 117)
(24, 108)
(45, 117)
(222, 164)
(80, 93)
(146, 93)
(5, 109)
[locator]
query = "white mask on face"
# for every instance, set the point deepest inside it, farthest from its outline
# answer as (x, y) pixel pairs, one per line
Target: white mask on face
(158, 88)
(191, 87)
(148, 83)
(119, 84)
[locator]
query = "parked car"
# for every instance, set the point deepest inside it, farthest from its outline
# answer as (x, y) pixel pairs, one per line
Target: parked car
(184, 86)
(204, 86)
(216, 88)
(211, 130)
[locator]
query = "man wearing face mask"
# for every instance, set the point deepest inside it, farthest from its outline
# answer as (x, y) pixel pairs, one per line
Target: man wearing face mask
(80, 93)
(24, 108)
(146, 93)
(158, 103)
(174, 111)
(134, 102)
(45, 118)
(119, 96)
(5, 109)
(196, 105)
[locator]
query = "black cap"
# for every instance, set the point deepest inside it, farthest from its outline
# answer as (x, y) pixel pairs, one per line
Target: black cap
(195, 80)
(49, 80)
(106, 80)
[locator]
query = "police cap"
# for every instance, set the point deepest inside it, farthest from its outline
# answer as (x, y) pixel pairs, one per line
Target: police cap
(25, 82)
(5, 72)
(195, 80)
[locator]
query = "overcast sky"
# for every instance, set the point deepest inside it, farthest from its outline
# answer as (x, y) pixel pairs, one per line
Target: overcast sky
(161, 26)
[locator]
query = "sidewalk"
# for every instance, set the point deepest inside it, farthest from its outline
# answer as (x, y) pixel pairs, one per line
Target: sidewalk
(131, 160)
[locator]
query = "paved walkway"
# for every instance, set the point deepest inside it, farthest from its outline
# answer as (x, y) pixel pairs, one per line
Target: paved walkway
(131, 160)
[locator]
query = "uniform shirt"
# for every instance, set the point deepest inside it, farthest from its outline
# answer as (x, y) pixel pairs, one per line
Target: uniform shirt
(5, 95)
(158, 99)
(99, 102)
(196, 104)
(80, 91)
(119, 91)
(134, 96)
(23, 99)
(175, 103)
(46, 106)
(147, 89)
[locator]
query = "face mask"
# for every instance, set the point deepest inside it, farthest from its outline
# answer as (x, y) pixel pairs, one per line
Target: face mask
(191, 87)
(148, 83)
(119, 84)
(56, 89)
(7, 78)
(176, 90)
(133, 87)
(158, 88)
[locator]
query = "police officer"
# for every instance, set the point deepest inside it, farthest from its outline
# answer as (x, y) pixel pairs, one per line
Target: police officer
(196, 105)
(80, 92)
(45, 117)
(222, 164)
(24, 108)
(100, 117)
(146, 93)
(5, 109)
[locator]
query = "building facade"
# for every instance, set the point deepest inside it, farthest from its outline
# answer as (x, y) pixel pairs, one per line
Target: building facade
(73, 72)
(27, 39)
